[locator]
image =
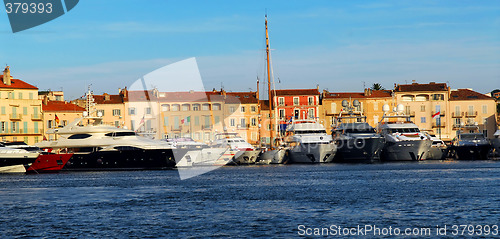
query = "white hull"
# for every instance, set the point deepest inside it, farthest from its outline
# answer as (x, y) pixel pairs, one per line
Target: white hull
(246, 157)
(276, 156)
(13, 169)
(206, 157)
(312, 153)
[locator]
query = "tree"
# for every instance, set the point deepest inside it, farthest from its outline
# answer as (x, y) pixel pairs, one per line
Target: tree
(377, 86)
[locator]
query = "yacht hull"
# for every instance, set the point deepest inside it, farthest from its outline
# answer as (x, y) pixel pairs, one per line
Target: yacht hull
(413, 150)
(48, 163)
(312, 153)
(275, 156)
(124, 160)
(437, 153)
(206, 157)
(246, 157)
(495, 143)
(15, 163)
(359, 150)
(471, 152)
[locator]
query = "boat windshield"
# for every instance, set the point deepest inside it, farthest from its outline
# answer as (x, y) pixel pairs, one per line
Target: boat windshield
(405, 130)
(471, 136)
(119, 134)
(359, 131)
(310, 132)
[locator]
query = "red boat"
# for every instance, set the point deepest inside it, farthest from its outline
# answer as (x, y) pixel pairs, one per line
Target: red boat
(48, 163)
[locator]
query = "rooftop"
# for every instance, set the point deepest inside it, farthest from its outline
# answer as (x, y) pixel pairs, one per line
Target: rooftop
(432, 86)
(60, 106)
(16, 84)
(467, 94)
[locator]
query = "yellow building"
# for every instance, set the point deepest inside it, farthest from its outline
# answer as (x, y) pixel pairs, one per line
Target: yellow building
(472, 108)
(457, 107)
(20, 110)
(59, 114)
(371, 102)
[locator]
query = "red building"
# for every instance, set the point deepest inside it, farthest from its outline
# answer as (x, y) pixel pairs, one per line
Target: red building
(296, 103)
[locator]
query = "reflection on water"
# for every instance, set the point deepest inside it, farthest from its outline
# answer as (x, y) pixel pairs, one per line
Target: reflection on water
(255, 201)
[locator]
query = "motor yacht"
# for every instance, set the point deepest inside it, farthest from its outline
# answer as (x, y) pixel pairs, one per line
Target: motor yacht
(14, 160)
(244, 153)
(470, 144)
(308, 142)
(403, 139)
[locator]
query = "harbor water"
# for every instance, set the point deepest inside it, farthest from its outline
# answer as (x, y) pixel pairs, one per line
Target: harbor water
(264, 201)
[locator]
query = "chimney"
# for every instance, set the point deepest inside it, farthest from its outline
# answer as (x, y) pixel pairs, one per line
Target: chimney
(6, 76)
(365, 93)
(106, 96)
(45, 100)
(258, 93)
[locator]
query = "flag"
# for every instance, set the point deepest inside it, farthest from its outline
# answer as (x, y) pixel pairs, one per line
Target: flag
(56, 119)
(188, 119)
(436, 115)
(182, 121)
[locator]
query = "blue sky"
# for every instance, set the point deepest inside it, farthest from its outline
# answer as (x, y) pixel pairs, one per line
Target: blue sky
(339, 45)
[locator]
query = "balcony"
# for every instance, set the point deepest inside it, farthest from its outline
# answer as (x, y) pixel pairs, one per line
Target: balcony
(471, 114)
(245, 126)
(15, 117)
(441, 125)
(457, 114)
(206, 127)
(36, 117)
(410, 113)
(442, 113)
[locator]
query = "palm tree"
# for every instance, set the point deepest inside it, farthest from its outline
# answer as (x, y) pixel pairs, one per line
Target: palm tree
(377, 86)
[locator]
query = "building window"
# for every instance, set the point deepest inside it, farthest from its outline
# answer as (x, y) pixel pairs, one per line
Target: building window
(242, 109)
(232, 122)
(457, 110)
(243, 122)
(296, 101)
(254, 122)
(165, 121)
(185, 107)
(131, 111)
(2, 126)
(407, 98)
(207, 122)
(197, 120)
(281, 101)
(25, 110)
(196, 107)
(36, 139)
(471, 109)
(437, 97)
(282, 113)
(31, 96)
(333, 107)
(310, 100)
(422, 108)
(375, 106)
(311, 113)
(65, 122)
(132, 125)
(216, 107)
(205, 107)
(457, 122)
(175, 107)
(232, 109)
(100, 112)
(3, 110)
(13, 127)
(253, 109)
(49, 124)
(485, 109)
(216, 119)
(421, 98)
(117, 112)
(148, 110)
(20, 95)
(36, 127)
(422, 120)
(58, 98)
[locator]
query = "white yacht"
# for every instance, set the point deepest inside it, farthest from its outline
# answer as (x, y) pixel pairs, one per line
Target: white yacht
(438, 150)
(13, 160)
(309, 143)
(403, 139)
(245, 153)
(100, 147)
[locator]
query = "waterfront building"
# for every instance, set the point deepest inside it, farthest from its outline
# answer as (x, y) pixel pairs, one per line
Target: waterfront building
(20, 110)
(456, 108)
(59, 113)
(110, 107)
(473, 108)
(371, 102)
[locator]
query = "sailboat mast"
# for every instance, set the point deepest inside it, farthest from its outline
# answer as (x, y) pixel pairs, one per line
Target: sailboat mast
(269, 87)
